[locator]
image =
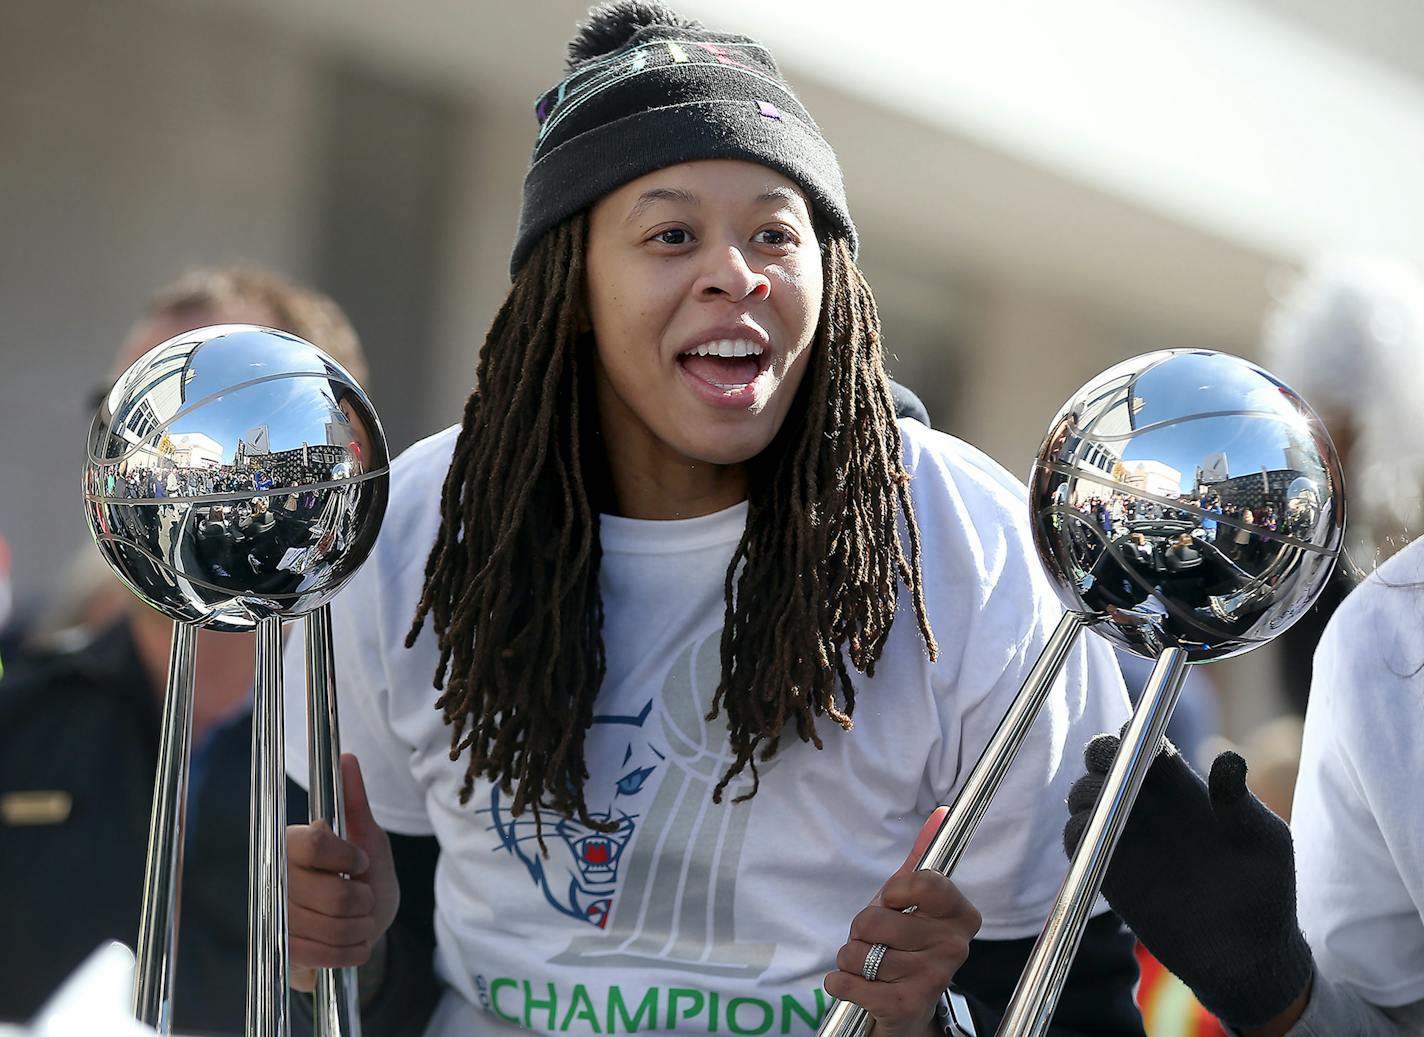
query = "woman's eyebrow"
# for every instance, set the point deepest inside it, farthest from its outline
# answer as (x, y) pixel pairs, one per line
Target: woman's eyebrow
(779, 194)
(660, 194)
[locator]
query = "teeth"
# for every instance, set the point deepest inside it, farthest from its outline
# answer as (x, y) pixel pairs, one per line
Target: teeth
(726, 348)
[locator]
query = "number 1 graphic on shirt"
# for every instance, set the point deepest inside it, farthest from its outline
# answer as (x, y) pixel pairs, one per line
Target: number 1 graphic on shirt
(685, 843)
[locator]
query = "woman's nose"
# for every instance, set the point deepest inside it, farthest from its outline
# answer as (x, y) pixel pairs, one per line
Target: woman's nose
(729, 275)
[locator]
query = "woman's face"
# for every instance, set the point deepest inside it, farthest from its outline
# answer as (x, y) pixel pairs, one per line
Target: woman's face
(703, 290)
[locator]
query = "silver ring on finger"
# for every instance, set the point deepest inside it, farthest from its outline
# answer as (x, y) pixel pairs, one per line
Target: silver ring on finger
(871, 969)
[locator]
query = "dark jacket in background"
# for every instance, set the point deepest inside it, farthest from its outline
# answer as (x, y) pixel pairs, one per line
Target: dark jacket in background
(86, 724)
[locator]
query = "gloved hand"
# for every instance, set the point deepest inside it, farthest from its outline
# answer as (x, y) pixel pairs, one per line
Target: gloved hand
(1206, 879)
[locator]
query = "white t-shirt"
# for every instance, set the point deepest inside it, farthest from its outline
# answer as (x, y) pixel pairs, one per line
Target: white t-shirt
(1358, 817)
(693, 915)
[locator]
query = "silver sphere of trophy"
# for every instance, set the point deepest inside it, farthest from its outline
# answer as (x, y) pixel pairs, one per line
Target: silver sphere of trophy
(234, 473)
(238, 476)
(1187, 499)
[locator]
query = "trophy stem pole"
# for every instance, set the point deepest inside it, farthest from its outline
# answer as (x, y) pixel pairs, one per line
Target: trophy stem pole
(337, 1011)
(957, 828)
(267, 862)
(1031, 1007)
(163, 870)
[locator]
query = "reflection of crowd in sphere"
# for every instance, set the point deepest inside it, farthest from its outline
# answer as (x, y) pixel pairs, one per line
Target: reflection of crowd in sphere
(262, 542)
(149, 483)
(143, 482)
(1211, 558)
(1241, 533)
(302, 467)
(1247, 544)
(1112, 513)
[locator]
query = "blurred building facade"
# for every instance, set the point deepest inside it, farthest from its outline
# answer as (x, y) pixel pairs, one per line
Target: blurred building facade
(376, 150)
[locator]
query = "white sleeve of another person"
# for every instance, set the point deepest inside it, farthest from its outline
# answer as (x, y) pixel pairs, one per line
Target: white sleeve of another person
(1358, 816)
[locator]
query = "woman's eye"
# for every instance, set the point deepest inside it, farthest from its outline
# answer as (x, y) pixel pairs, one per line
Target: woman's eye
(774, 236)
(671, 236)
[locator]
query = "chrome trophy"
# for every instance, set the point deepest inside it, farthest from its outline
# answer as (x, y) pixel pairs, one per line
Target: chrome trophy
(237, 476)
(1188, 506)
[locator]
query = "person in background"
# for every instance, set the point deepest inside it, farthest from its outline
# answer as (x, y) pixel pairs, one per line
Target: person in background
(1208, 525)
(6, 602)
(1349, 337)
(79, 726)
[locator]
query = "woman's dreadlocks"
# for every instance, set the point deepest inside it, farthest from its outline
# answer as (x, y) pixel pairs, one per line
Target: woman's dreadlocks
(511, 584)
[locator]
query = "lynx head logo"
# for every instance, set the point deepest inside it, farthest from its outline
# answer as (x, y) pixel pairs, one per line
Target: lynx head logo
(580, 876)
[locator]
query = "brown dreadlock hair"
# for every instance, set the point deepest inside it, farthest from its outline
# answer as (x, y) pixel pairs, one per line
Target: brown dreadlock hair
(511, 585)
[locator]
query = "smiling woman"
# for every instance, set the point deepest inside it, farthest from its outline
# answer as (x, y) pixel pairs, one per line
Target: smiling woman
(704, 288)
(666, 551)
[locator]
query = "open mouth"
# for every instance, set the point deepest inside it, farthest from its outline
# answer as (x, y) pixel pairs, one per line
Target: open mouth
(729, 365)
(598, 857)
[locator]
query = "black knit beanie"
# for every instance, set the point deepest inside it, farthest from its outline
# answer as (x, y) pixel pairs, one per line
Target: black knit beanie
(648, 89)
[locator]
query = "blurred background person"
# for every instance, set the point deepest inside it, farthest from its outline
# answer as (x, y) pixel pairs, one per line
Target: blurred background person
(79, 727)
(1349, 336)
(7, 600)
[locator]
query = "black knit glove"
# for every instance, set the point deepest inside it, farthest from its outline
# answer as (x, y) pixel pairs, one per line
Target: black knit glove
(1206, 879)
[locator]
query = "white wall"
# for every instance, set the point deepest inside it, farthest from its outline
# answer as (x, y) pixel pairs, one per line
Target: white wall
(143, 137)
(136, 140)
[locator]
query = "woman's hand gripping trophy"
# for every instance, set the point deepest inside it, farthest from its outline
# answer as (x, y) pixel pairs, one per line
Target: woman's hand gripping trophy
(342, 894)
(906, 945)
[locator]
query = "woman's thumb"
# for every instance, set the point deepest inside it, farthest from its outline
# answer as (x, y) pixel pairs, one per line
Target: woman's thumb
(922, 841)
(361, 826)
